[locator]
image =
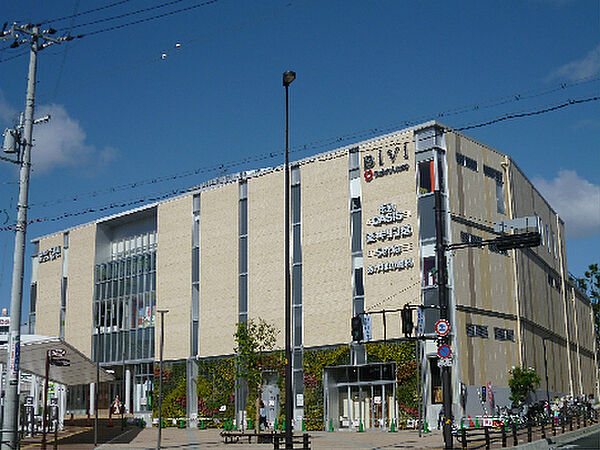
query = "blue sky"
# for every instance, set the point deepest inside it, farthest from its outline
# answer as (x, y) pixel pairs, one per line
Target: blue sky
(130, 105)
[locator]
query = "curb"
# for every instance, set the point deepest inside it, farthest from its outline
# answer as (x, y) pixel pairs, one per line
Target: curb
(553, 441)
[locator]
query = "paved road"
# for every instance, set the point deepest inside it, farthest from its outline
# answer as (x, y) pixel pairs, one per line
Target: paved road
(591, 441)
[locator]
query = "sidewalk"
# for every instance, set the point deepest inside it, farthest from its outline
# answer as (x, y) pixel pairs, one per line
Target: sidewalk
(82, 438)
(196, 439)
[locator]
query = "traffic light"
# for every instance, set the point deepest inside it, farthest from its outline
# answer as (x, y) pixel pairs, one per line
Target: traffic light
(520, 240)
(357, 329)
(407, 321)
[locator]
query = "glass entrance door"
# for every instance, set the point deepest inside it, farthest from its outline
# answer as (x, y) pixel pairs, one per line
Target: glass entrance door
(377, 409)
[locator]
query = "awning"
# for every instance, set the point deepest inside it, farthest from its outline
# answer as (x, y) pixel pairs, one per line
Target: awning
(81, 369)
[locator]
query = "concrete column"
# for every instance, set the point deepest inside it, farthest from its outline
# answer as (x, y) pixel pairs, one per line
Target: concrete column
(92, 399)
(127, 398)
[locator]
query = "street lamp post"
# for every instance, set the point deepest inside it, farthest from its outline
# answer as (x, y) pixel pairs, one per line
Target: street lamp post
(162, 313)
(288, 77)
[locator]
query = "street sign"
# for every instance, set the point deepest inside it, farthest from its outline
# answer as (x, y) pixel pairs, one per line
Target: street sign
(420, 322)
(444, 362)
(444, 351)
(442, 327)
(57, 352)
(61, 362)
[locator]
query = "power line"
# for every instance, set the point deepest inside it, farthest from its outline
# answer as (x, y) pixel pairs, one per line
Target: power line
(372, 131)
(66, 50)
(127, 14)
(89, 11)
(148, 19)
(530, 113)
(157, 197)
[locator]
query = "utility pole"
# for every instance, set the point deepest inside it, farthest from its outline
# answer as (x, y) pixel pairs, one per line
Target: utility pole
(21, 34)
(443, 303)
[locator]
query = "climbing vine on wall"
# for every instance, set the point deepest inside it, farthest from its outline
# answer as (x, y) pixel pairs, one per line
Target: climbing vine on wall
(174, 390)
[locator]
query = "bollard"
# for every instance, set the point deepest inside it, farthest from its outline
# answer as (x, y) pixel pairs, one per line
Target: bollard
(487, 436)
(514, 433)
(503, 428)
(570, 423)
(562, 424)
(463, 439)
(360, 426)
(275, 442)
(305, 440)
(543, 428)
(578, 421)
(529, 431)
(553, 427)
(330, 424)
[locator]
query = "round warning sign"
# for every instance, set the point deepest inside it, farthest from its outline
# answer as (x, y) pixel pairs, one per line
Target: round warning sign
(442, 327)
(444, 351)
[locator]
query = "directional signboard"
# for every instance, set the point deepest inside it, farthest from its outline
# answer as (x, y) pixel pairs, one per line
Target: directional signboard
(444, 351)
(442, 327)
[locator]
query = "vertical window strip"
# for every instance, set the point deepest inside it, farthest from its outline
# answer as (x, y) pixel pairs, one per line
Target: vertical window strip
(195, 301)
(243, 252)
(297, 326)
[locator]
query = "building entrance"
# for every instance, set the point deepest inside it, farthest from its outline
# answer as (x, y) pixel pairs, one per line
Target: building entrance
(360, 396)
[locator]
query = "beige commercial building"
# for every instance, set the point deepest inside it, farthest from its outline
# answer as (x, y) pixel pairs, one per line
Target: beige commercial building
(363, 240)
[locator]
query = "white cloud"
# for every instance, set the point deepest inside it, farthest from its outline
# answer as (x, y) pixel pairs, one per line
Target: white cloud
(62, 142)
(7, 112)
(576, 200)
(587, 66)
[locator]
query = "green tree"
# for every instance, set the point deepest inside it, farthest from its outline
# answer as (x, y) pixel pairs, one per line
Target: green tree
(253, 339)
(521, 382)
(590, 284)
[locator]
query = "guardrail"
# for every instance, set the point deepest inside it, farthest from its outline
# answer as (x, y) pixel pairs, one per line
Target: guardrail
(504, 432)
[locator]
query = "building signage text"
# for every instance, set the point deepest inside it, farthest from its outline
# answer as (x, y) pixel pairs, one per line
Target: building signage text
(51, 254)
(389, 214)
(369, 163)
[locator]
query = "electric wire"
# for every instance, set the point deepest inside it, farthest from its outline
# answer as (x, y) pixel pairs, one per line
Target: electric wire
(148, 19)
(126, 14)
(64, 54)
(83, 13)
(161, 196)
(304, 147)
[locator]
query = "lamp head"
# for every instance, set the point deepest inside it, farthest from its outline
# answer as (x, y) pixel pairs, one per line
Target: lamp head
(288, 77)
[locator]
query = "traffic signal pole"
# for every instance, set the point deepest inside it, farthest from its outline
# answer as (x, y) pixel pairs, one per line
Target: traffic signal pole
(443, 304)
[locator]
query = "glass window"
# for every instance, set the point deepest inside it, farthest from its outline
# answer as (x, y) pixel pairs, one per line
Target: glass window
(295, 204)
(359, 288)
(436, 381)
(297, 285)
(243, 255)
(297, 246)
(243, 294)
(196, 203)
(32, 297)
(356, 232)
(243, 217)
(195, 264)
(429, 271)
(297, 327)
(426, 177)
(500, 204)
